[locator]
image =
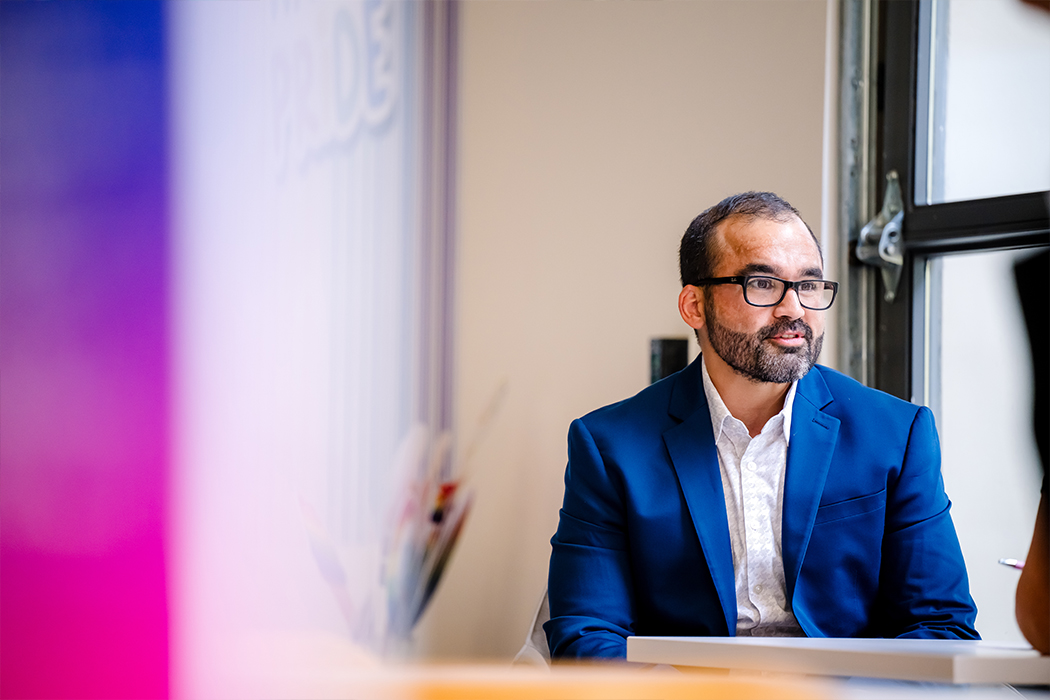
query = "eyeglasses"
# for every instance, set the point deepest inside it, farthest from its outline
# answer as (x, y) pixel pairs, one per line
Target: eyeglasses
(760, 290)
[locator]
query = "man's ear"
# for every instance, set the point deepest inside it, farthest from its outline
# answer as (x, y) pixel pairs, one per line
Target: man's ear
(691, 306)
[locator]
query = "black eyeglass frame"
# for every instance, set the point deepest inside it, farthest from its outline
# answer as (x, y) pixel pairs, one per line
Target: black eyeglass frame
(742, 280)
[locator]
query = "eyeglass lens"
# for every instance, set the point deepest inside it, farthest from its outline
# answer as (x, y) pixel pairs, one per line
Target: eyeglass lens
(768, 291)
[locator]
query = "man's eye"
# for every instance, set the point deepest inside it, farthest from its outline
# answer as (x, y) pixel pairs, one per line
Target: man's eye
(804, 287)
(762, 284)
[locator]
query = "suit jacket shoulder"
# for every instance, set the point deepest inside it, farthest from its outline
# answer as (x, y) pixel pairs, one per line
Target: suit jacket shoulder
(862, 411)
(646, 414)
(847, 389)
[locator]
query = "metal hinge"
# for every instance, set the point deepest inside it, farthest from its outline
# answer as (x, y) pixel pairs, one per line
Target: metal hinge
(880, 244)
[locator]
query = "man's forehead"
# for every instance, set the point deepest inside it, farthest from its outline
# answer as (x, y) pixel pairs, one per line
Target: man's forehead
(757, 241)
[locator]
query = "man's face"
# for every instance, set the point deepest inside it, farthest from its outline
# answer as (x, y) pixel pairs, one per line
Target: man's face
(777, 344)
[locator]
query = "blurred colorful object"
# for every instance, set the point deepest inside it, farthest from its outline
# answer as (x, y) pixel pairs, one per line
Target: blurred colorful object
(424, 535)
(83, 351)
(381, 613)
(424, 532)
(225, 240)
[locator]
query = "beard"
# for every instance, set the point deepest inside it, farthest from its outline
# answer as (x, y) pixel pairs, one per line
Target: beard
(751, 356)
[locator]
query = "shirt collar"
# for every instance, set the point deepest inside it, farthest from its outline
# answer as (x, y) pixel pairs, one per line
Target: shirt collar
(719, 412)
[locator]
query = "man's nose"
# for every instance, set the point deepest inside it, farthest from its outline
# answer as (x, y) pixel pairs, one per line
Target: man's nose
(790, 306)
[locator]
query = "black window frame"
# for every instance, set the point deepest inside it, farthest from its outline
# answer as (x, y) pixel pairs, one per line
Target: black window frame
(996, 223)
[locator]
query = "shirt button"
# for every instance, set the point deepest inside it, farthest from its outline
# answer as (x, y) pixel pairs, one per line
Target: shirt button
(752, 466)
(758, 588)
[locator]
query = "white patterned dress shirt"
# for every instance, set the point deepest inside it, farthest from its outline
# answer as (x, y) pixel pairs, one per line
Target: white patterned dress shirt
(753, 483)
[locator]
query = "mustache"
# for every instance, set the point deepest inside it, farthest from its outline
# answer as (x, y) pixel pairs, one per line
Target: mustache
(786, 325)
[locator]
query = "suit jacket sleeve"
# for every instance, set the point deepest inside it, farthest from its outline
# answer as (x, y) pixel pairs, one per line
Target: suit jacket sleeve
(924, 589)
(589, 577)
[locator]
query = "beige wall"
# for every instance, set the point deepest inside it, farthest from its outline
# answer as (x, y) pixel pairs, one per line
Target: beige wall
(591, 133)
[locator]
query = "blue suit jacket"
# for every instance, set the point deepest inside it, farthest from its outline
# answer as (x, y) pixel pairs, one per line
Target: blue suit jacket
(642, 546)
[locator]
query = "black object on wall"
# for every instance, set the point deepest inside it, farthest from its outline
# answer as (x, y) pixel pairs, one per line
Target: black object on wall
(667, 356)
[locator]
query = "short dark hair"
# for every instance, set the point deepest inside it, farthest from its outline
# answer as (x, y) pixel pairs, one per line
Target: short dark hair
(696, 259)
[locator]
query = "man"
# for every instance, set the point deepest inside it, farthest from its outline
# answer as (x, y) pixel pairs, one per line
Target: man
(754, 492)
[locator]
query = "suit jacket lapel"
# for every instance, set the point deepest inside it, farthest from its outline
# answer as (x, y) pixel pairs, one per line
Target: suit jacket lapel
(813, 438)
(691, 446)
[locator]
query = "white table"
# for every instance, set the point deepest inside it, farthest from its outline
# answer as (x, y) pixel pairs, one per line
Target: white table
(932, 660)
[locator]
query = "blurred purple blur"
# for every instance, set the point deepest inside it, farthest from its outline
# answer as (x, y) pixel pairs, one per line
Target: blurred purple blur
(83, 350)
